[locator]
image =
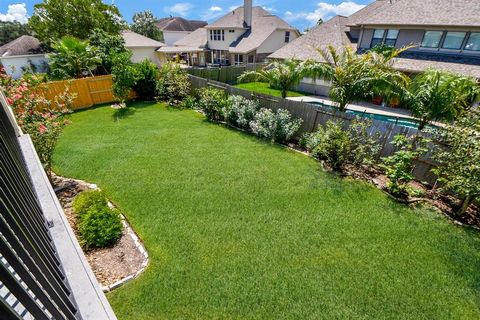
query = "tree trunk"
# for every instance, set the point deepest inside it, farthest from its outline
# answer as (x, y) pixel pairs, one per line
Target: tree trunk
(422, 125)
(342, 106)
(465, 204)
(284, 93)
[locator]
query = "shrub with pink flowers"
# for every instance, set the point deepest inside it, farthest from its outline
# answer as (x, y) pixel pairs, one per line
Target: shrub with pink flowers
(37, 116)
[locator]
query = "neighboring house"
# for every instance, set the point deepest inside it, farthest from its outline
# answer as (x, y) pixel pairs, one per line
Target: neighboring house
(23, 54)
(446, 34)
(142, 47)
(176, 28)
(245, 35)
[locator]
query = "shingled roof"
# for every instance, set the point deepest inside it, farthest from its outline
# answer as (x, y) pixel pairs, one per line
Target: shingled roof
(331, 32)
(135, 40)
(23, 45)
(427, 12)
(179, 24)
(193, 42)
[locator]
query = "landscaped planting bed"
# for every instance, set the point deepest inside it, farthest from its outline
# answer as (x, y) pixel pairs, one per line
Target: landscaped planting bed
(241, 228)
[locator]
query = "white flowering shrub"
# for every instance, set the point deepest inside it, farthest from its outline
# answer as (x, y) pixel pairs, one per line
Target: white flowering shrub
(241, 111)
(275, 126)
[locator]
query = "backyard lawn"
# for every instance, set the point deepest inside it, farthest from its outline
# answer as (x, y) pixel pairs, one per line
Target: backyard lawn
(262, 87)
(238, 228)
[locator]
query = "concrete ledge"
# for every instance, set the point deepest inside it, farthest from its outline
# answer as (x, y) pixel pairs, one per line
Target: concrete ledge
(90, 299)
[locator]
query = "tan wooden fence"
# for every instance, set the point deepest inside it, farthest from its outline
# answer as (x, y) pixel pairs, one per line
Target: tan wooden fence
(88, 91)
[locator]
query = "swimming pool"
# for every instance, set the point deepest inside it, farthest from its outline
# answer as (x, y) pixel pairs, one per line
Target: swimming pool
(406, 122)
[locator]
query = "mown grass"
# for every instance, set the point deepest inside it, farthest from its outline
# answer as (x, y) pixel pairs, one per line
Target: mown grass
(262, 87)
(238, 228)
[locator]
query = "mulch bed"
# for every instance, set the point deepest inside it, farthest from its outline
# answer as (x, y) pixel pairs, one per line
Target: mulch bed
(109, 265)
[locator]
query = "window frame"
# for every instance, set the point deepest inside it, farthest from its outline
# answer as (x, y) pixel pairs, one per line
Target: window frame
(376, 39)
(440, 41)
(462, 44)
(387, 38)
(287, 36)
(468, 39)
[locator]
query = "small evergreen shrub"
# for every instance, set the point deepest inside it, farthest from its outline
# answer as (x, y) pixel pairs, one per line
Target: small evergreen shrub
(146, 84)
(240, 112)
(99, 227)
(339, 147)
(275, 126)
(213, 103)
(88, 200)
(173, 84)
(190, 102)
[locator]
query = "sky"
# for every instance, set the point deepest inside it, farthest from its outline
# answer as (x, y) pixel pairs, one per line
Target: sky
(299, 13)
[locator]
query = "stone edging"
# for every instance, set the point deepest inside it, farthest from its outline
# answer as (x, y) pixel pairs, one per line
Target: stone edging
(139, 246)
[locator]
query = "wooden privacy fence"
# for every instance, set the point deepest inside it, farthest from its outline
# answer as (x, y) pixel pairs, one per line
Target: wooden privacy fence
(314, 116)
(88, 91)
(228, 74)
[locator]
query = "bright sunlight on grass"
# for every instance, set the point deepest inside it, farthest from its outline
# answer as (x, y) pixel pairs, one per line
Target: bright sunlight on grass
(262, 87)
(238, 228)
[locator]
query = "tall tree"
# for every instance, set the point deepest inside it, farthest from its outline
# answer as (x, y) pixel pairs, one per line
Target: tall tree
(12, 30)
(108, 47)
(144, 24)
(54, 19)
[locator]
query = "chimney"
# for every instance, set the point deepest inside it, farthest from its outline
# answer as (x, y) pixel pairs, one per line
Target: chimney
(247, 11)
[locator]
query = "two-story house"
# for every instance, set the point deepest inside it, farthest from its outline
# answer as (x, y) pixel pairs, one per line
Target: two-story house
(445, 33)
(177, 28)
(245, 35)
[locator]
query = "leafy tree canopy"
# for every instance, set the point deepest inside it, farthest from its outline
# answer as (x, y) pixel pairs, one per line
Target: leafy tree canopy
(10, 31)
(54, 19)
(108, 47)
(144, 24)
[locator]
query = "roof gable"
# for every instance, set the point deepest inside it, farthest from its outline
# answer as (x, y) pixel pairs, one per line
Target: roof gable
(179, 24)
(23, 45)
(135, 40)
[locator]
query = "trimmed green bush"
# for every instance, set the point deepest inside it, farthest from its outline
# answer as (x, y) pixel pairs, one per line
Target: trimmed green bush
(88, 200)
(99, 228)
(213, 102)
(173, 84)
(146, 84)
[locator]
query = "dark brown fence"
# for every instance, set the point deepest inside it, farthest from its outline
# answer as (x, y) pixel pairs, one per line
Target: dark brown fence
(314, 116)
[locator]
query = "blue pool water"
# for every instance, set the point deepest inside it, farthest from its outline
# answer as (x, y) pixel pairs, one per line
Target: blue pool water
(406, 122)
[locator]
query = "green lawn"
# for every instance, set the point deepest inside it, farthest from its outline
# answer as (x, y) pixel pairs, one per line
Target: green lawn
(238, 228)
(264, 88)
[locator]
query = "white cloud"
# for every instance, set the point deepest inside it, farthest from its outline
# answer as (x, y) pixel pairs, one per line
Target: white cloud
(181, 9)
(15, 12)
(325, 11)
(215, 9)
(212, 13)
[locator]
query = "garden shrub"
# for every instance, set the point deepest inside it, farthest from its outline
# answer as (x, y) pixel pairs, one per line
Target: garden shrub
(87, 200)
(339, 147)
(146, 83)
(99, 227)
(124, 74)
(241, 111)
(213, 103)
(275, 126)
(399, 166)
(173, 84)
(190, 102)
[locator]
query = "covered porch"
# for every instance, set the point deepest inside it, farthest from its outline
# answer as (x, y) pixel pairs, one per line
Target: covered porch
(190, 56)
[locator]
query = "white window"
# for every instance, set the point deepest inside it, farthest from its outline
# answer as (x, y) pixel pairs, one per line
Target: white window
(473, 42)
(454, 40)
(217, 35)
(431, 39)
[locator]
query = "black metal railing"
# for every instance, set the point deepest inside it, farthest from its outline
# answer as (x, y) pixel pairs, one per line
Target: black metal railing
(32, 280)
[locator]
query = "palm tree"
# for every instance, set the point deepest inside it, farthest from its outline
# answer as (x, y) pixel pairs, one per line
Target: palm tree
(72, 58)
(284, 75)
(439, 95)
(357, 77)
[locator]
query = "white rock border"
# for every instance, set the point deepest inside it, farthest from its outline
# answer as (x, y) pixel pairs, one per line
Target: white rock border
(130, 232)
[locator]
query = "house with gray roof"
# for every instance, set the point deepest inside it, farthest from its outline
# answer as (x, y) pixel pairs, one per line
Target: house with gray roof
(25, 53)
(247, 34)
(142, 47)
(445, 33)
(176, 28)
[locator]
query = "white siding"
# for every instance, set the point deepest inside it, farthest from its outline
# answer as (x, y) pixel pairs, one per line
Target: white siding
(170, 37)
(275, 41)
(14, 65)
(229, 38)
(140, 54)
